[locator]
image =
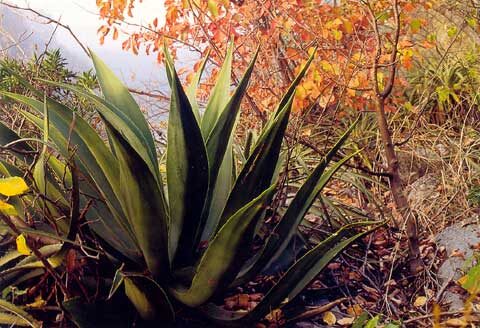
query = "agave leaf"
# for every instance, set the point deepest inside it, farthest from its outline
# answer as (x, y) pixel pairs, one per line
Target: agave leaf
(10, 257)
(191, 90)
(7, 136)
(122, 123)
(257, 173)
(34, 273)
(39, 173)
(219, 95)
(219, 262)
(39, 168)
(54, 261)
(74, 206)
(298, 276)
(248, 144)
(21, 314)
(187, 172)
(117, 282)
(304, 271)
(142, 198)
(92, 152)
(116, 236)
(61, 170)
(12, 320)
(220, 155)
(117, 94)
(130, 141)
(27, 270)
(40, 233)
(112, 227)
(29, 264)
(216, 202)
(149, 298)
(301, 203)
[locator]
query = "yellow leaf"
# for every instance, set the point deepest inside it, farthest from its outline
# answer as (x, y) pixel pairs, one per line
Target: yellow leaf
(348, 27)
(56, 260)
(436, 315)
(301, 93)
(326, 66)
(317, 77)
(309, 85)
(13, 186)
(380, 78)
(336, 68)
(38, 303)
(22, 246)
(212, 7)
(329, 318)
(7, 209)
(307, 132)
(455, 322)
(288, 24)
(163, 168)
(420, 301)
(357, 56)
(463, 279)
(334, 23)
(337, 34)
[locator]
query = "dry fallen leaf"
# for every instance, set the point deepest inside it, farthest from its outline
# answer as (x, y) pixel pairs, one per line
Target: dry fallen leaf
(275, 316)
(457, 253)
(329, 318)
(420, 301)
(243, 301)
(355, 310)
(347, 321)
(456, 322)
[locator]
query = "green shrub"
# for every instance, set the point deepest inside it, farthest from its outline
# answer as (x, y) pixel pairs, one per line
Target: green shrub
(155, 224)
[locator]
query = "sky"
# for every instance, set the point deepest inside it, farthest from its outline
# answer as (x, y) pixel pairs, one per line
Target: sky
(82, 18)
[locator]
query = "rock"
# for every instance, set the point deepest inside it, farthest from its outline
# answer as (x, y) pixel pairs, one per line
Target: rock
(422, 193)
(458, 241)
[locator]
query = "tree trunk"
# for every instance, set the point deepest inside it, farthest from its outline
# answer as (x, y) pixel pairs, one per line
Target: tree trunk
(397, 190)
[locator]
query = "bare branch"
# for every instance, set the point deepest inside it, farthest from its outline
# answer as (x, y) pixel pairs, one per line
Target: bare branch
(48, 20)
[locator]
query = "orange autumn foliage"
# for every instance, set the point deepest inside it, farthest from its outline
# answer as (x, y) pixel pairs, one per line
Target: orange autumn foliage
(287, 31)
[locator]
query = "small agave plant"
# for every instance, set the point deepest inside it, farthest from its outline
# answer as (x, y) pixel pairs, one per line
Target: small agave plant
(152, 225)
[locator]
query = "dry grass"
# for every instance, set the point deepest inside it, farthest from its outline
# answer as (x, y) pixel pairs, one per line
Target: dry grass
(440, 166)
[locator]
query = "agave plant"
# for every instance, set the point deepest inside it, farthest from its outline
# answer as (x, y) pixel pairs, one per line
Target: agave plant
(153, 225)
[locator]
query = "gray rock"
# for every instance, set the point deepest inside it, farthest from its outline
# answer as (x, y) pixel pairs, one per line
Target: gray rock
(423, 192)
(457, 239)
